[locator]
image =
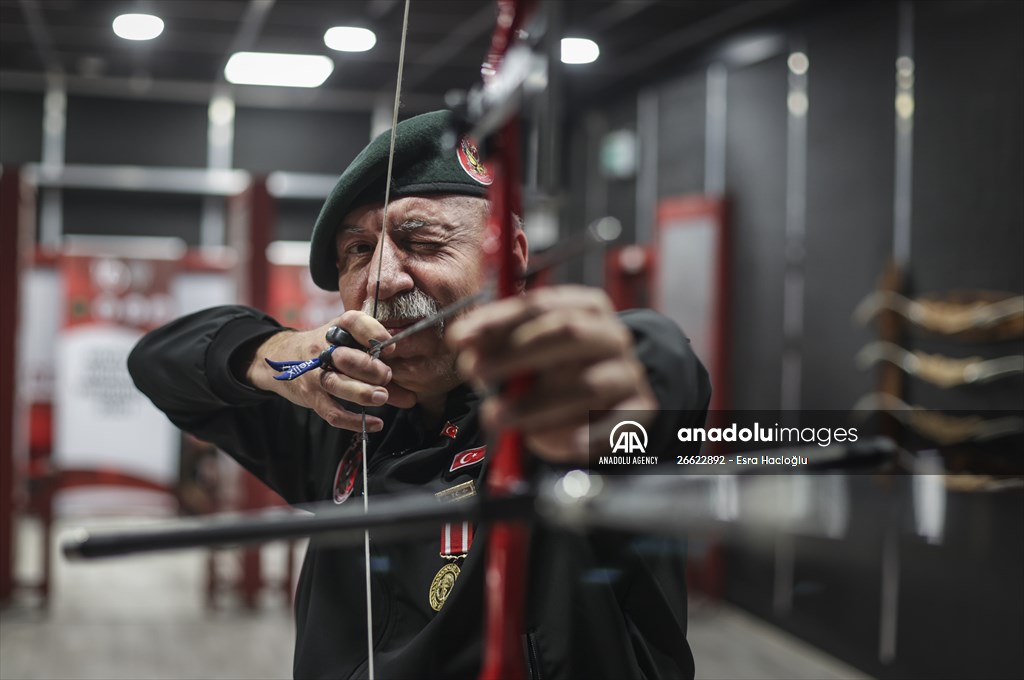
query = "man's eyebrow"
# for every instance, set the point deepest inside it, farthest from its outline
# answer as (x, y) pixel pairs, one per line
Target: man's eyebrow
(405, 226)
(412, 224)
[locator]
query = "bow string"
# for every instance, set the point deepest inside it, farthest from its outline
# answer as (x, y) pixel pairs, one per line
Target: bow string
(325, 356)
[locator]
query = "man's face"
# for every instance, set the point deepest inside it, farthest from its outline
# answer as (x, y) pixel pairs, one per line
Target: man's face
(432, 256)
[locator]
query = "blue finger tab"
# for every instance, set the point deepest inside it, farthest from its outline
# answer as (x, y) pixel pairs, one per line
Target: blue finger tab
(292, 369)
(282, 365)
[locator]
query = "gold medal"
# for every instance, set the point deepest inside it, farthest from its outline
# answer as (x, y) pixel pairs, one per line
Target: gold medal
(455, 541)
(442, 585)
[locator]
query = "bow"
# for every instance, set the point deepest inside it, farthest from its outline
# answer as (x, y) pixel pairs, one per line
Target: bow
(491, 113)
(505, 585)
(495, 125)
(491, 118)
(505, 576)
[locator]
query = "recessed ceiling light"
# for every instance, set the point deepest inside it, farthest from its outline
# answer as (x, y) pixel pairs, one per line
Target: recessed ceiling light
(579, 51)
(282, 70)
(798, 63)
(349, 39)
(138, 26)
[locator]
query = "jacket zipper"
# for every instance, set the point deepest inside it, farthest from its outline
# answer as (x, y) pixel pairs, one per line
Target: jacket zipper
(533, 658)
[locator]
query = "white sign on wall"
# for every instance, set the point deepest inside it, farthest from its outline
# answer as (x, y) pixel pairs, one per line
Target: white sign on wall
(101, 420)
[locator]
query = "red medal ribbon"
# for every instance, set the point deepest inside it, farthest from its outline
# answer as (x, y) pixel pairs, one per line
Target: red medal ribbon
(456, 539)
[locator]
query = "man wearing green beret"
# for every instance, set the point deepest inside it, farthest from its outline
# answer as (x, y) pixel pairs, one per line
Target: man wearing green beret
(598, 606)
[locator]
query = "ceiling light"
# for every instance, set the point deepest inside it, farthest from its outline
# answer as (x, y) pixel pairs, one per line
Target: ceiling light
(579, 51)
(349, 39)
(282, 70)
(797, 103)
(905, 105)
(138, 26)
(798, 63)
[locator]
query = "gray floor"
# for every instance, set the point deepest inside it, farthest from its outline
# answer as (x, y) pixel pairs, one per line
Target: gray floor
(729, 644)
(144, 618)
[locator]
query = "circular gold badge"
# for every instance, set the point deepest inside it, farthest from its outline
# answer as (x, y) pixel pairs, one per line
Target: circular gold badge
(442, 585)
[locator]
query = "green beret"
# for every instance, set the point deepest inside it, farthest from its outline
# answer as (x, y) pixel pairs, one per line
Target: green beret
(423, 165)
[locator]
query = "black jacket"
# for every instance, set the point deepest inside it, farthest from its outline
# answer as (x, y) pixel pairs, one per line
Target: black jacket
(601, 606)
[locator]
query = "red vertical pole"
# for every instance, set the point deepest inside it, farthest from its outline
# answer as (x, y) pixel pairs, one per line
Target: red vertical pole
(261, 233)
(10, 271)
(261, 229)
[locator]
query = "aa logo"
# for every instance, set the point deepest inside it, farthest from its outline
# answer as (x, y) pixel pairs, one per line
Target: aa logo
(628, 436)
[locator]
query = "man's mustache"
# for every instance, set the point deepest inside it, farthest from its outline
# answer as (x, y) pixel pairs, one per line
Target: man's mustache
(412, 305)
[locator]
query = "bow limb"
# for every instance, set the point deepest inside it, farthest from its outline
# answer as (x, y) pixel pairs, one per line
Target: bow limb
(505, 585)
(507, 545)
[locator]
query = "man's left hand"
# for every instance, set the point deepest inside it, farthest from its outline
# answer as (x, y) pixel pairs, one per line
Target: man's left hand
(580, 357)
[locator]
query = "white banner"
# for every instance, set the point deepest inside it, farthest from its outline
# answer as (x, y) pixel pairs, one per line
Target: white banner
(102, 421)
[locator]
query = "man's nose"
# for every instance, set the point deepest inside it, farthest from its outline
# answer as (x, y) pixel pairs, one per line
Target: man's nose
(394, 278)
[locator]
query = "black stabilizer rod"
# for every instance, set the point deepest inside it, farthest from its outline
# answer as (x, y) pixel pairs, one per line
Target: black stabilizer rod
(389, 518)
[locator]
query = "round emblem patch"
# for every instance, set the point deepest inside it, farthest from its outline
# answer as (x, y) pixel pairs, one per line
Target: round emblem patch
(470, 161)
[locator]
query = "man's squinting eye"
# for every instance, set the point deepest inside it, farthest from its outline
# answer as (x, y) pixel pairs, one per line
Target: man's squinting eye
(358, 249)
(425, 245)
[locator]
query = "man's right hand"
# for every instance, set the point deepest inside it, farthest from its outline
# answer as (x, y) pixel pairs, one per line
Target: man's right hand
(359, 378)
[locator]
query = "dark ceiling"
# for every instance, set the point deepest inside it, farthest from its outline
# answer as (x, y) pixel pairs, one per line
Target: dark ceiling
(447, 41)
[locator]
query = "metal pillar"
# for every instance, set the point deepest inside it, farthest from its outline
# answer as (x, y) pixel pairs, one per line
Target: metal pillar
(10, 271)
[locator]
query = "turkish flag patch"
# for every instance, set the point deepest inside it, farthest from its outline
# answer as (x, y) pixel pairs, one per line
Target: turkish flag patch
(468, 457)
(450, 430)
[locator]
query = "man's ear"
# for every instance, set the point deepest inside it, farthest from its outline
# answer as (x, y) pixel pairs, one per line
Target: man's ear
(520, 252)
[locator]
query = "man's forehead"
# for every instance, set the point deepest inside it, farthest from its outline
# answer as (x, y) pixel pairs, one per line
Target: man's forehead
(442, 210)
